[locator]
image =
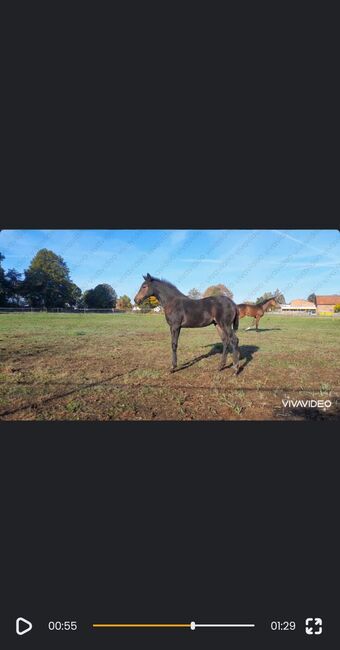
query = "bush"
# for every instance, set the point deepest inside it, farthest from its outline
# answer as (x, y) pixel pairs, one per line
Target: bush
(337, 309)
(124, 303)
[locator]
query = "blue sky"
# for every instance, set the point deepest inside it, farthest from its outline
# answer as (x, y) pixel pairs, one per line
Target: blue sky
(249, 262)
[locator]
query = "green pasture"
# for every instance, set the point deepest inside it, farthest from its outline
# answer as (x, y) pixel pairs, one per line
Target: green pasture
(116, 366)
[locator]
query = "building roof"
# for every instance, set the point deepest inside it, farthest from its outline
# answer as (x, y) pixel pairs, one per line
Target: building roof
(328, 300)
(299, 302)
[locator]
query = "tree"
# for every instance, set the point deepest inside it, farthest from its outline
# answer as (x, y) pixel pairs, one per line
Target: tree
(75, 297)
(10, 286)
(337, 309)
(153, 302)
(14, 287)
(279, 297)
(124, 302)
(194, 294)
(2, 283)
(217, 290)
(312, 298)
(150, 303)
(47, 281)
(103, 296)
(88, 299)
(145, 305)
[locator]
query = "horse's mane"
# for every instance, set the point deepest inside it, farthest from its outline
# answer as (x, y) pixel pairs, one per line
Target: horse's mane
(167, 284)
(256, 304)
(263, 302)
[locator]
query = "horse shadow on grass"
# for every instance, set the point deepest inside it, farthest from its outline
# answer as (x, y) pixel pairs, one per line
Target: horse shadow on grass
(247, 353)
(261, 329)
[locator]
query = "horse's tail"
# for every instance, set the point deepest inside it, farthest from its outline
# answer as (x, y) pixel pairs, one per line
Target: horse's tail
(236, 320)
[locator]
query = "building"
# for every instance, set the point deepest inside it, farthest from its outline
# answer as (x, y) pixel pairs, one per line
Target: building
(300, 305)
(326, 304)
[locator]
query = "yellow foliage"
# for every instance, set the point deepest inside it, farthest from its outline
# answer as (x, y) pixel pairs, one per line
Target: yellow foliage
(153, 301)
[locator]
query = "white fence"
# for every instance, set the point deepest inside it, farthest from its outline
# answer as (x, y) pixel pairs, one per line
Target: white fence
(61, 310)
(302, 314)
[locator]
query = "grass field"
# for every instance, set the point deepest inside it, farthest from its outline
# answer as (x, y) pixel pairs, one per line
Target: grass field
(116, 367)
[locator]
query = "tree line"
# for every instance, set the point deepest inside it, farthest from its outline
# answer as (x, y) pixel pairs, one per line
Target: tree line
(47, 284)
(218, 289)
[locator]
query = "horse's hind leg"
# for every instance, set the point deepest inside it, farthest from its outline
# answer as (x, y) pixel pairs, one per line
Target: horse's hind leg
(233, 341)
(225, 339)
(235, 351)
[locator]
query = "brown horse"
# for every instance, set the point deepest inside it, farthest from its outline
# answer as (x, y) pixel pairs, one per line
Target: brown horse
(256, 311)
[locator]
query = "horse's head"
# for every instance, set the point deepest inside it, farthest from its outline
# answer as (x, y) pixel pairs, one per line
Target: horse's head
(273, 302)
(146, 289)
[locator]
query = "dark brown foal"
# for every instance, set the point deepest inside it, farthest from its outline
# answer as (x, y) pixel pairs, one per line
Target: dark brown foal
(181, 311)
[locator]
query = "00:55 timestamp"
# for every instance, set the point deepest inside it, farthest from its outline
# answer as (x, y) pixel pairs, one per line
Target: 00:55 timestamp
(62, 625)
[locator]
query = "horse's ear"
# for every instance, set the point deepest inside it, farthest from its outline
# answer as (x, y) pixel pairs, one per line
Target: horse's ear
(147, 277)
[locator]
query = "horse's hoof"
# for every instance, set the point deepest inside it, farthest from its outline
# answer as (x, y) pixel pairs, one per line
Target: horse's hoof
(221, 367)
(172, 369)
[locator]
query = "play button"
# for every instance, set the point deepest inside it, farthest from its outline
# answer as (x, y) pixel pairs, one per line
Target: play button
(22, 625)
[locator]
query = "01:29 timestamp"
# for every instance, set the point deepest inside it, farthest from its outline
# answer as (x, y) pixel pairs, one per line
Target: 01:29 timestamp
(279, 626)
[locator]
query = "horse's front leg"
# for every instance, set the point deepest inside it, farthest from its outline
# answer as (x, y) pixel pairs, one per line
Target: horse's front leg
(253, 323)
(174, 342)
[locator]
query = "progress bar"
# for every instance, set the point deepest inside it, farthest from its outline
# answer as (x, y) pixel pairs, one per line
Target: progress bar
(191, 626)
(194, 625)
(141, 625)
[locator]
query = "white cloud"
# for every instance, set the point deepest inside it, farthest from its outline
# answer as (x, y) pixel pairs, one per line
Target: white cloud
(306, 244)
(205, 260)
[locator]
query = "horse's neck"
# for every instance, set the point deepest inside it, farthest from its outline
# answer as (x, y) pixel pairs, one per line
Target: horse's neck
(164, 293)
(265, 305)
